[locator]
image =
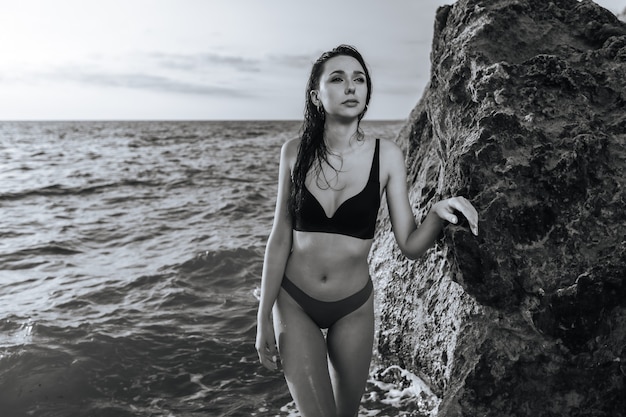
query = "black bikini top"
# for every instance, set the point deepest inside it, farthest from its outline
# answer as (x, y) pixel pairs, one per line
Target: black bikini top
(355, 217)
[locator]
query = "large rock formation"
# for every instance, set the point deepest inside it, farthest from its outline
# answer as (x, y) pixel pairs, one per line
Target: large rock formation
(524, 115)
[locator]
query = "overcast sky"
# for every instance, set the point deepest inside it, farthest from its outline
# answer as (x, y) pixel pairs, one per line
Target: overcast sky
(204, 59)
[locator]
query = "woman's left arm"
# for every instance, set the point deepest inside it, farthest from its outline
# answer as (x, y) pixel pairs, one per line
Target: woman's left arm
(413, 240)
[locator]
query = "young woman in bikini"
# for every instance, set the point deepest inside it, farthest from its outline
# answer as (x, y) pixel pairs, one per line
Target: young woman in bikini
(315, 273)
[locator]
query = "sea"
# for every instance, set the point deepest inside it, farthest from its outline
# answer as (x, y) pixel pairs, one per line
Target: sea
(130, 266)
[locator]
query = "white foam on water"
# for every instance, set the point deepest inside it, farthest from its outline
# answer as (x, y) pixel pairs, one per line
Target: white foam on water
(407, 391)
(22, 335)
(406, 396)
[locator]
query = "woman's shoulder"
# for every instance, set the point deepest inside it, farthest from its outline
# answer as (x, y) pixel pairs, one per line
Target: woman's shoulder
(391, 159)
(289, 149)
(390, 150)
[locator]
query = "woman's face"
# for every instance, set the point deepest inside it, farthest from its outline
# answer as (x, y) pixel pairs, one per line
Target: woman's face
(342, 87)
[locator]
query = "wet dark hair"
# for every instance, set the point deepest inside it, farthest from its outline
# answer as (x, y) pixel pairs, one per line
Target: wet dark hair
(312, 150)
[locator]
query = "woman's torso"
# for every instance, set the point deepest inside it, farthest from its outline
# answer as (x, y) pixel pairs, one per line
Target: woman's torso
(333, 265)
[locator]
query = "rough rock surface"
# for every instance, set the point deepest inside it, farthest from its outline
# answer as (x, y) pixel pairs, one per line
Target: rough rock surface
(524, 115)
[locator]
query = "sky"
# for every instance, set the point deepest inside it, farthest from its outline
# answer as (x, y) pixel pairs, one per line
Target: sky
(204, 59)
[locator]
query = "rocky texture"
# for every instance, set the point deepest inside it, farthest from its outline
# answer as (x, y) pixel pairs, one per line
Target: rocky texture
(524, 115)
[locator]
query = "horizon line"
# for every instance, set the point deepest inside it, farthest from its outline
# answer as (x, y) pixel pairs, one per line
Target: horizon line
(181, 120)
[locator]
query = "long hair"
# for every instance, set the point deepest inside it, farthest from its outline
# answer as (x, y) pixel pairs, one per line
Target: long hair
(312, 150)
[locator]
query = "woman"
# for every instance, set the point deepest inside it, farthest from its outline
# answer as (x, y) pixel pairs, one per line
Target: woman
(315, 274)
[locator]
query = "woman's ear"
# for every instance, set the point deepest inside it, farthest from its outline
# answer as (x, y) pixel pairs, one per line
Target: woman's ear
(315, 97)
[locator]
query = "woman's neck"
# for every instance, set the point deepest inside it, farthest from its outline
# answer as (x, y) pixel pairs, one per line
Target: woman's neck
(338, 136)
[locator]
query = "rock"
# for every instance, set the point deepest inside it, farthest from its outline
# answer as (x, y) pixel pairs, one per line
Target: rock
(525, 116)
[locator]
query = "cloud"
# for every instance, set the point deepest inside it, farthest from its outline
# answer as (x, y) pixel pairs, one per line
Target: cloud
(204, 61)
(294, 60)
(144, 82)
(207, 61)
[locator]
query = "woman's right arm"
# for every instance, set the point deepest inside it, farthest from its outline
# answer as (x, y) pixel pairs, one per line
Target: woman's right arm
(276, 254)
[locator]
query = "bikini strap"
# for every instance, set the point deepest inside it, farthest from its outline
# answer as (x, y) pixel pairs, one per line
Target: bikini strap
(375, 170)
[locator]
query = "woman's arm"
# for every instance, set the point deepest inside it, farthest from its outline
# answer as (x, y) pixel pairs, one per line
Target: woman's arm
(276, 254)
(412, 240)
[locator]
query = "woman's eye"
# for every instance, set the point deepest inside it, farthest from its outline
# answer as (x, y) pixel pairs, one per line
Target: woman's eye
(336, 79)
(359, 80)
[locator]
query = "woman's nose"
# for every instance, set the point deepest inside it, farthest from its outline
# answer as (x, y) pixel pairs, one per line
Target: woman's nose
(350, 88)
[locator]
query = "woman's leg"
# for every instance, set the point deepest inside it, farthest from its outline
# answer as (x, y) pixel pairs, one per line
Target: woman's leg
(304, 356)
(350, 343)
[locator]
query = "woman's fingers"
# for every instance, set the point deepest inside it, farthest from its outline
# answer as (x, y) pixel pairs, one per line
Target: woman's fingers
(468, 210)
(462, 205)
(266, 344)
(270, 362)
(269, 357)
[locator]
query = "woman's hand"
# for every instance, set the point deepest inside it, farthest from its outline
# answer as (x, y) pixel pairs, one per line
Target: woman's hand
(446, 209)
(266, 343)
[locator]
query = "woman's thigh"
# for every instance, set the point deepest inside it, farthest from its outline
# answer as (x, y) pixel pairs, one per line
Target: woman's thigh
(350, 343)
(303, 354)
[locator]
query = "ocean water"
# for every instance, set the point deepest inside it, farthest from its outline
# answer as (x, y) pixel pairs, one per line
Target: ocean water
(130, 260)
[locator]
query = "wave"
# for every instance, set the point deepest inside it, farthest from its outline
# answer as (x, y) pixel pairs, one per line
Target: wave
(192, 178)
(153, 140)
(60, 190)
(218, 285)
(221, 263)
(51, 248)
(28, 258)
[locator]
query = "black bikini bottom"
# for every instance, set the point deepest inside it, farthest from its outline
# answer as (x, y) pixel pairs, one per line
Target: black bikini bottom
(327, 313)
